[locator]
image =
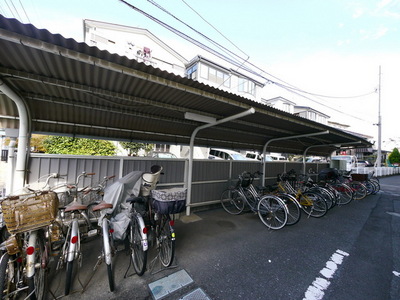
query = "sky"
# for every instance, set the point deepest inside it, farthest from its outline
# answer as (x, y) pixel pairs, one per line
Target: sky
(335, 55)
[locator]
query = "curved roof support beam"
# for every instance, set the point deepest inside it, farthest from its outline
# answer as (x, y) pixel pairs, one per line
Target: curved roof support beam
(337, 145)
(23, 137)
(190, 167)
(286, 138)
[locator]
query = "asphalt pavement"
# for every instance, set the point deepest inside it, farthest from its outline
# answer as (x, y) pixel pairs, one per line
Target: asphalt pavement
(351, 253)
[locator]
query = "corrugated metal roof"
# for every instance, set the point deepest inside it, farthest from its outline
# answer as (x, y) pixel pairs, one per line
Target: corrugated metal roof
(71, 88)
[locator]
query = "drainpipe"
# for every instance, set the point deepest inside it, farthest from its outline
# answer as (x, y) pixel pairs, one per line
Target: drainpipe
(190, 167)
(23, 137)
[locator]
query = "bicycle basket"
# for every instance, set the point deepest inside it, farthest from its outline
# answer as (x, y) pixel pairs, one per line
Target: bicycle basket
(169, 201)
(245, 179)
(29, 212)
(359, 177)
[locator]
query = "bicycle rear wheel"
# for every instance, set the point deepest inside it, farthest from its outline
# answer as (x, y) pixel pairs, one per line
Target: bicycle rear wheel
(166, 241)
(138, 253)
(4, 276)
(359, 190)
(313, 204)
(232, 201)
(272, 212)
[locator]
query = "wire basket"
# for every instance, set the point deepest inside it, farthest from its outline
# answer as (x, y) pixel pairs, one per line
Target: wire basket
(29, 212)
(169, 201)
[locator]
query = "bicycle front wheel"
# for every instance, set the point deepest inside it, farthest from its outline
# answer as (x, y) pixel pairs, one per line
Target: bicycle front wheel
(232, 201)
(108, 252)
(344, 192)
(138, 253)
(166, 241)
(272, 212)
(37, 283)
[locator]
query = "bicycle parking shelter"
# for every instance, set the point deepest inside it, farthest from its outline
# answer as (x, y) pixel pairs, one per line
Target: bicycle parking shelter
(57, 86)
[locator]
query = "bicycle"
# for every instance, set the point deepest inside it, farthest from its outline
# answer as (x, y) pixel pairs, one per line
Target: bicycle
(329, 178)
(358, 188)
(311, 202)
(292, 205)
(271, 209)
(28, 219)
(151, 215)
(78, 226)
(98, 210)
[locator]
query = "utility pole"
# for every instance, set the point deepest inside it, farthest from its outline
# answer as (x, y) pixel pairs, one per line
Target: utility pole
(379, 155)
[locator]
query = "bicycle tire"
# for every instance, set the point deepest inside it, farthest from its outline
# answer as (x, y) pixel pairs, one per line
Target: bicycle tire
(166, 241)
(293, 208)
(377, 185)
(313, 204)
(107, 244)
(370, 187)
(110, 278)
(4, 275)
(68, 277)
(328, 197)
(138, 254)
(359, 189)
(345, 193)
(272, 212)
(232, 201)
(37, 283)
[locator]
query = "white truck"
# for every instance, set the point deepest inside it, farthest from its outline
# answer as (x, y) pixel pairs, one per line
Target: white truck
(350, 162)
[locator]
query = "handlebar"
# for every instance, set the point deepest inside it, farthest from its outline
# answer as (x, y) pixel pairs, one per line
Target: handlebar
(84, 174)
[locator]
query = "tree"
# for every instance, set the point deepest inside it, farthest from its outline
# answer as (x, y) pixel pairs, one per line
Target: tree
(78, 146)
(394, 157)
(134, 148)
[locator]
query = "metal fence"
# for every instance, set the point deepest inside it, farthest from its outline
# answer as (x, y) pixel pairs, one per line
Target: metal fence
(210, 177)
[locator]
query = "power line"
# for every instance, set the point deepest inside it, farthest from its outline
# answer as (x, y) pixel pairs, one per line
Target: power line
(24, 11)
(286, 86)
(215, 29)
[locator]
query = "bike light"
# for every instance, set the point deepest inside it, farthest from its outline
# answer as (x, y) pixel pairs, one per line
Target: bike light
(145, 230)
(111, 231)
(74, 239)
(30, 250)
(172, 222)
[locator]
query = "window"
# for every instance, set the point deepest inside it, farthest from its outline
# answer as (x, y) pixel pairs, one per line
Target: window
(192, 72)
(213, 75)
(286, 107)
(246, 86)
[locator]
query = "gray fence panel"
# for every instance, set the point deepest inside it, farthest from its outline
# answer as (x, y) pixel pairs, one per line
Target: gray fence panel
(210, 177)
(173, 169)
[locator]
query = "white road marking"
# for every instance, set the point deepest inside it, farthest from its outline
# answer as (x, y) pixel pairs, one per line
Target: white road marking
(316, 290)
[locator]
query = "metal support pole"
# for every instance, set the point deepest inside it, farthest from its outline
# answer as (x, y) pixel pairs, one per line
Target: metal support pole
(23, 137)
(286, 138)
(190, 167)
